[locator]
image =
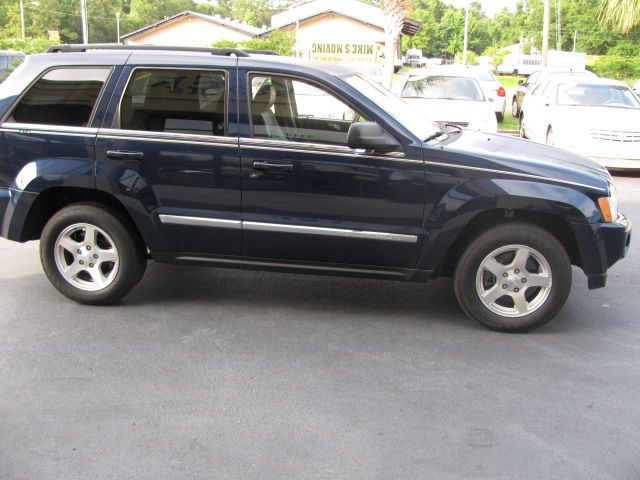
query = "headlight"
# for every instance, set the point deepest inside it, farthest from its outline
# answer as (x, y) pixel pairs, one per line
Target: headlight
(609, 205)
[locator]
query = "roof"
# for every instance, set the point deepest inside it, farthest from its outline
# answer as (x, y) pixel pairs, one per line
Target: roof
(354, 9)
(217, 19)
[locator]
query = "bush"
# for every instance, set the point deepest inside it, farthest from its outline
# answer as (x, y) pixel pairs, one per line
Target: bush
(277, 41)
(619, 67)
(28, 46)
(624, 49)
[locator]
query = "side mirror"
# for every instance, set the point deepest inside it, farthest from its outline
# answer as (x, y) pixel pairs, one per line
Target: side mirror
(520, 83)
(370, 136)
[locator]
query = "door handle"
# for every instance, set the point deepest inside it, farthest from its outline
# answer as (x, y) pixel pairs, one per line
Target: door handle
(273, 166)
(124, 155)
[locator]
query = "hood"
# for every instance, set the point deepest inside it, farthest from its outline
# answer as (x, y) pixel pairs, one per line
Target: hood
(458, 111)
(599, 118)
(516, 155)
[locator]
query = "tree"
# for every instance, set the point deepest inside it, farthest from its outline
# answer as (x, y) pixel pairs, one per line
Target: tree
(623, 14)
(394, 12)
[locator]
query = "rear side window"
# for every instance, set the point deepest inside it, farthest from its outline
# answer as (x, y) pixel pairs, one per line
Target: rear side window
(63, 96)
(176, 101)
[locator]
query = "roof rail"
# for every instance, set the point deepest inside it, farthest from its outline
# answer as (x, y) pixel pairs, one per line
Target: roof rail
(112, 46)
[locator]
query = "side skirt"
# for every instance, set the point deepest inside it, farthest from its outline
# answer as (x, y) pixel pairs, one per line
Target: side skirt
(276, 265)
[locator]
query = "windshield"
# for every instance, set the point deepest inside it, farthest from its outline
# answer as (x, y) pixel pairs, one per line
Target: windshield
(579, 94)
(447, 88)
(485, 76)
(403, 113)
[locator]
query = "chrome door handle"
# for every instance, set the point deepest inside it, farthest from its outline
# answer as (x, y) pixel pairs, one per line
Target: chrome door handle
(273, 166)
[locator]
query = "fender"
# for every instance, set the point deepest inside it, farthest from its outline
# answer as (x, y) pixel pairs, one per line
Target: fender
(446, 218)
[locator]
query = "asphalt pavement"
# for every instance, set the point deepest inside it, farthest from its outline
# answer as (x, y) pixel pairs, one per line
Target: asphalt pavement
(226, 374)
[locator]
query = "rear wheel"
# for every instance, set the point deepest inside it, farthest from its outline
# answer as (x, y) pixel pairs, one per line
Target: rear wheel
(513, 278)
(499, 116)
(521, 130)
(515, 110)
(90, 255)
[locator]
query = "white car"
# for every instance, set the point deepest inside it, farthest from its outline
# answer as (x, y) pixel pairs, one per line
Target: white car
(491, 87)
(449, 97)
(595, 117)
(636, 88)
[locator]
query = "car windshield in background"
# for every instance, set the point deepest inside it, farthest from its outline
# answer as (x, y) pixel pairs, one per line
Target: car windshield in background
(447, 88)
(585, 95)
(485, 76)
(419, 125)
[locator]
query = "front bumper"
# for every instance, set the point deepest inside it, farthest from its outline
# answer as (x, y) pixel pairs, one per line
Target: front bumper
(609, 243)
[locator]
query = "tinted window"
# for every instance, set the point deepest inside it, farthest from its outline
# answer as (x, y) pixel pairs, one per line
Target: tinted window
(177, 101)
(287, 109)
(64, 96)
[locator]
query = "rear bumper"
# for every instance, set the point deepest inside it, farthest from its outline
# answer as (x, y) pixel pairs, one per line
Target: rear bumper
(609, 243)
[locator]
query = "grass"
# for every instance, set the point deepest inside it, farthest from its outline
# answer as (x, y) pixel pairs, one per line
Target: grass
(509, 123)
(509, 81)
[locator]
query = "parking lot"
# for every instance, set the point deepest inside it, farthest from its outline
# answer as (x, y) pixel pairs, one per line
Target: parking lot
(213, 373)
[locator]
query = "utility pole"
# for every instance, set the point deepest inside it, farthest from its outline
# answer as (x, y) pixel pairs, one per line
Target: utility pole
(22, 35)
(575, 39)
(118, 28)
(466, 34)
(545, 35)
(85, 27)
(558, 27)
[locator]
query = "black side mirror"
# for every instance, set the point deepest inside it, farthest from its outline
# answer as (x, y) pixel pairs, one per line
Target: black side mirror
(370, 136)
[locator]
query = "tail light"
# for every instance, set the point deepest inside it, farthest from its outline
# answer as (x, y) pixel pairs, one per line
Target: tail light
(501, 92)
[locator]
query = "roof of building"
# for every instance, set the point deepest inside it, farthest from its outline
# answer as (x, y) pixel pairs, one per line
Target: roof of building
(217, 19)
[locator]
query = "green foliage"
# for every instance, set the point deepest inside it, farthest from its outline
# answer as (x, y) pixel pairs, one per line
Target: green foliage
(472, 58)
(224, 44)
(617, 67)
(497, 55)
(28, 45)
(625, 49)
(277, 41)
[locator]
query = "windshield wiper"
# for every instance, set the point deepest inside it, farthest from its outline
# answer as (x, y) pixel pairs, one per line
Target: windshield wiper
(433, 136)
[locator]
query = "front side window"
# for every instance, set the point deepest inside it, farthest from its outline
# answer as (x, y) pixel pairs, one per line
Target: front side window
(175, 101)
(63, 96)
(289, 109)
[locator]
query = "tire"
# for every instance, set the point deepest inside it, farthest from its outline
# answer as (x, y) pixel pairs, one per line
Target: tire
(498, 263)
(97, 270)
(499, 116)
(550, 138)
(521, 130)
(515, 110)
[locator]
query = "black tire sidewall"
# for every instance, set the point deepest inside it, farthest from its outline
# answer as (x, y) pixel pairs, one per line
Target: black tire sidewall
(514, 234)
(132, 260)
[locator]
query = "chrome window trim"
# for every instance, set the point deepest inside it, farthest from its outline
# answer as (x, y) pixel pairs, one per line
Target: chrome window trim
(48, 129)
(170, 219)
(515, 174)
(199, 221)
(167, 137)
(334, 232)
(117, 121)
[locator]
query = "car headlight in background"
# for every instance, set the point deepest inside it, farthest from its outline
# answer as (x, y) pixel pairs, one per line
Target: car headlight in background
(609, 205)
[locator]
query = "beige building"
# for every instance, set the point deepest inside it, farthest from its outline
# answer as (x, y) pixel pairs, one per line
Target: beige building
(329, 30)
(191, 29)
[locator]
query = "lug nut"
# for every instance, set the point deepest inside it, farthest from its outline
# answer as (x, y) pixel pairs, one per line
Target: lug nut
(504, 286)
(79, 252)
(516, 270)
(524, 280)
(88, 247)
(81, 262)
(505, 274)
(516, 289)
(95, 255)
(91, 265)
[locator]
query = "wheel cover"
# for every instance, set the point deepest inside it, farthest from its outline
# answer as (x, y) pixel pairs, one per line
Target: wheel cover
(514, 281)
(86, 257)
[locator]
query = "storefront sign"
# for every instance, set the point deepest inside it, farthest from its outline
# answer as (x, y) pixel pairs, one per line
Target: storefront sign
(343, 52)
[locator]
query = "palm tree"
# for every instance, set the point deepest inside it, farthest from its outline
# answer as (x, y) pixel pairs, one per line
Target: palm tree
(624, 14)
(394, 13)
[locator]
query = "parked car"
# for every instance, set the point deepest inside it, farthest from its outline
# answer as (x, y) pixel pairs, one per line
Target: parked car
(9, 60)
(491, 87)
(595, 117)
(112, 156)
(636, 88)
(541, 76)
(448, 98)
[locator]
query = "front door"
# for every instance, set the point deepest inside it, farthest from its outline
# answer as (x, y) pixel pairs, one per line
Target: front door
(307, 196)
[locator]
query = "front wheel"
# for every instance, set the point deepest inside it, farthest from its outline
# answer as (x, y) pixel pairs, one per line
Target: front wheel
(515, 110)
(91, 254)
(513, 278)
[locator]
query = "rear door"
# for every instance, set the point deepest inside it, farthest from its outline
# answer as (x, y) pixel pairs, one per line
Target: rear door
(171, 145)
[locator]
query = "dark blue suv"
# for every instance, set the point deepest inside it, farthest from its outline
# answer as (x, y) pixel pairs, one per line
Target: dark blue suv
(113, 156)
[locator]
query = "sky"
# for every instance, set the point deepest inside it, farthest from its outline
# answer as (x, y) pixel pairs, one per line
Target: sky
(491, 7)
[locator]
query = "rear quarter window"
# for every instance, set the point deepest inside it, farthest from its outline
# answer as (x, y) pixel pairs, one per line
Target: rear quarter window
(62, 96)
